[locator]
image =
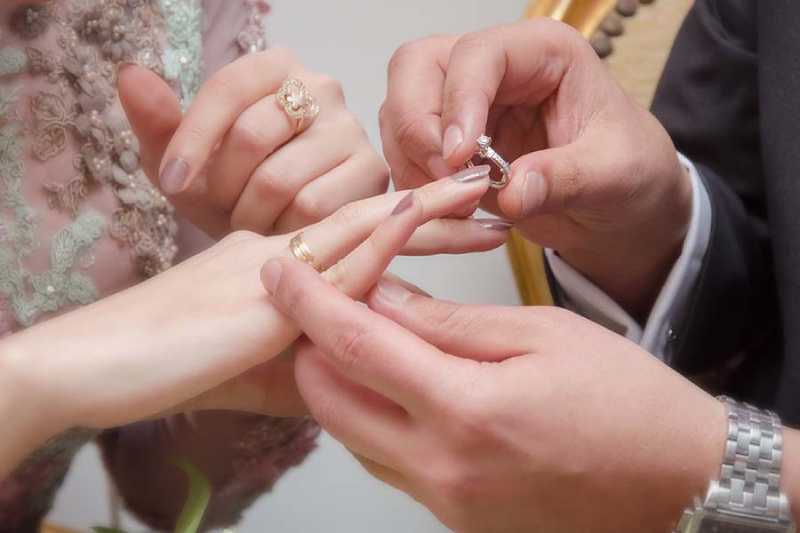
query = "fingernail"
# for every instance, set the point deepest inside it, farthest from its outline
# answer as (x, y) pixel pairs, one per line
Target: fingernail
(271, 275)
(391, 292)
(174, 176)
(405, 203)
(469, 175)
(453, 137)
(534, 193)
(495, 224)
(438, 168)
(124, 65)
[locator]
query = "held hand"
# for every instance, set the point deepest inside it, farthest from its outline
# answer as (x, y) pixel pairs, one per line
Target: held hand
(235, 161)
(594, 175)
(203, 335)
(501, 419)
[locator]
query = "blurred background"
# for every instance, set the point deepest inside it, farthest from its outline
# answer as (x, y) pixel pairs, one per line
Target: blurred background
(353, 40)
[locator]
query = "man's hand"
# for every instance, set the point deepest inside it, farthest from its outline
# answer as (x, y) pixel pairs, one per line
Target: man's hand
(501, 419)
(595, 177)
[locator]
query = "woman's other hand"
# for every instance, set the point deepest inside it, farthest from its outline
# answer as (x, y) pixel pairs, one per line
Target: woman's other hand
(235, 161)
(501, 419)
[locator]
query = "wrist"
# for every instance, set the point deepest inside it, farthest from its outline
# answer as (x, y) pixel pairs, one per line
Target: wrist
(28, 423)
(790, 470)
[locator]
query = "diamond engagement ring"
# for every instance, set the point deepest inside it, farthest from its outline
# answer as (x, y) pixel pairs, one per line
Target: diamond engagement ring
(298, 102)
(485, 151)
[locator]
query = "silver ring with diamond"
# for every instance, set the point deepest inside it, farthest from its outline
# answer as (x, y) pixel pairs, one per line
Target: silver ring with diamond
(298, 102)
(485, 151)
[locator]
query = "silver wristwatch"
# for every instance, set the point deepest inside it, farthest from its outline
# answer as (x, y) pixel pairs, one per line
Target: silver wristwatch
(747, 498)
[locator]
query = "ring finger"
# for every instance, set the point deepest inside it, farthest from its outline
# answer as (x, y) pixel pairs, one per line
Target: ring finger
(362, 176)
(339, 234)
(277, 180)
(258, 132)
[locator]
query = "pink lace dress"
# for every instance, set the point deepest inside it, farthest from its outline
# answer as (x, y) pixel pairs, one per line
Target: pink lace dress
(79, 221)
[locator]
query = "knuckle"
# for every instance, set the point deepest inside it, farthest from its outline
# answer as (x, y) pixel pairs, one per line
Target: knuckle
(350, 346)
(330, 86)
(269, 184)
(410, 130)
(379, 172)
(338, 273)
(473, 41)
(293, 295)
(223, 87)
(349, 215)
(405, 52)
(455, 483)
(310, 206)
(249, 134)
(470, 421)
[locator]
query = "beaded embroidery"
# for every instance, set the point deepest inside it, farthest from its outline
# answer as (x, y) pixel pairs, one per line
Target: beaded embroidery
(182, 57)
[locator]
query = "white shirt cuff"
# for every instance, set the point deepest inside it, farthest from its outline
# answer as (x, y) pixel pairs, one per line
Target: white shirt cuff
(585, 298)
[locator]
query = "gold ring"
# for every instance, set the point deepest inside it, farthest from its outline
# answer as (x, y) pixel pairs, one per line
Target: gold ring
(300, 250)
(298, 102)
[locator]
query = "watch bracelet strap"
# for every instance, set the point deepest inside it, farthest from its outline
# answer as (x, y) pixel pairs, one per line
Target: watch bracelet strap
(749, 482)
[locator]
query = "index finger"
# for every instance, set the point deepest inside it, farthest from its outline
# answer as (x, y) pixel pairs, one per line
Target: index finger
(412, 113)
(213, 111)
(363, 345)
(518, 64)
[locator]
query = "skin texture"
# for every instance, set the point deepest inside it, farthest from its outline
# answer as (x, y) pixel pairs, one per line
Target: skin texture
(594, 175)
(245, 168)
(208, 318)
(504, 419)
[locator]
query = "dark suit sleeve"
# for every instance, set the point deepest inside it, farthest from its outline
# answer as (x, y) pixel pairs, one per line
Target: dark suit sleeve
(708, 101)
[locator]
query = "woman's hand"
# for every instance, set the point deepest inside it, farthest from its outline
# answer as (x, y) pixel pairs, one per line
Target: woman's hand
(501, 419)
(235, 161)
(201, 324)
(594, 175)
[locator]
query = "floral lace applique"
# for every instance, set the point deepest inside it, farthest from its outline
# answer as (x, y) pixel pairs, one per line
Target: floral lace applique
(30, 295)
(93, 37)
(18, 230)
(12, 61)
(183, 55)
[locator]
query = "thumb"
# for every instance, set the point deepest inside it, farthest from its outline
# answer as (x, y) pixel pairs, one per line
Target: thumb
(478, 332)
(554, 180)
(154, 112)
(515, 65)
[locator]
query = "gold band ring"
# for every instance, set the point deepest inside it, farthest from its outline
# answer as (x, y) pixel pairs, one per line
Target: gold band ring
(300, 251)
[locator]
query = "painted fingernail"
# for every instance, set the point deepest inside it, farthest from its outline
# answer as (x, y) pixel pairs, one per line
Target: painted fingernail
(174, 176)
(453, 137)
(534, 193)
(438, 168)
(271, 275)
(405, 203)
(495, 224)
(469, 175)
(391, 293)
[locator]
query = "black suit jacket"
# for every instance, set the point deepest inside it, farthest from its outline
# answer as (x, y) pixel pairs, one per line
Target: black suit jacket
(730, 98)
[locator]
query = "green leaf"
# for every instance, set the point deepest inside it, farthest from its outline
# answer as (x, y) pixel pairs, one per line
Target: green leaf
(197, 502)
(99, 529)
